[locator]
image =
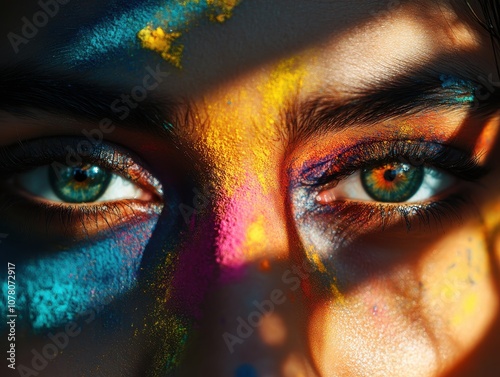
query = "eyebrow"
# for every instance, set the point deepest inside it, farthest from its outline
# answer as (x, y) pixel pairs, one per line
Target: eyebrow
(427, 89)
(25, 89)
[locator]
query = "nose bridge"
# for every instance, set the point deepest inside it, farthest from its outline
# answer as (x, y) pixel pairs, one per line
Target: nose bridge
(253, 316)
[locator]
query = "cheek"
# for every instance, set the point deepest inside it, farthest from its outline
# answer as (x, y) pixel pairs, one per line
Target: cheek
(434, 307)
(56, 289)
(369, 334)
(458, 289)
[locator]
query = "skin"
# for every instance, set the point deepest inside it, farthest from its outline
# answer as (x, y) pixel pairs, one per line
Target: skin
(413, 311)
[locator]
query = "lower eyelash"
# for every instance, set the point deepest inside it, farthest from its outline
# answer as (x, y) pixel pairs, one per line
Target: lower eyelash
(342, 222)
(71, 221)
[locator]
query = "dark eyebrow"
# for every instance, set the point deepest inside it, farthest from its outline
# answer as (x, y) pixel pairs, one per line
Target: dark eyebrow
(25, 88)
(427, 89)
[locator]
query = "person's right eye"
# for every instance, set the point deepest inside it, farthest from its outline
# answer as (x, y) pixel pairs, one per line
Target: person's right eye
(84, 184)
(98, 191)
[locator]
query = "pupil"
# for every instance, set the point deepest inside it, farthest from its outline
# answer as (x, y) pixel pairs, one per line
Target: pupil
(80, 175)
(390, 175)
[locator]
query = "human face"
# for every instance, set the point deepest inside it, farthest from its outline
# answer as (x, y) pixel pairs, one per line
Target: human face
(250, 188)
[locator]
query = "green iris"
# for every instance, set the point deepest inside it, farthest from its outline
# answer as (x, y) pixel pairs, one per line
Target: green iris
(79, 185)
(393, 182)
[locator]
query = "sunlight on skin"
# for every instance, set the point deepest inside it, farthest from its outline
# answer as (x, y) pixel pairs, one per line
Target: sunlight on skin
(272, 330)
(387, 44)
(485, 141)
(449, 292)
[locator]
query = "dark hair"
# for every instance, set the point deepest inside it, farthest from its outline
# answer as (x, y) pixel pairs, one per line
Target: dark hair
(488, 16)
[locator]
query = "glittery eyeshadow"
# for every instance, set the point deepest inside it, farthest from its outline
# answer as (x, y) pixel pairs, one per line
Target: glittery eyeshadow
(461, 91)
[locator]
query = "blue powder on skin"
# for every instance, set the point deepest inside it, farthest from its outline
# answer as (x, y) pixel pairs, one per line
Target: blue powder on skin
(246, 370)
(56, 289)
(120, 30)
(463, 91)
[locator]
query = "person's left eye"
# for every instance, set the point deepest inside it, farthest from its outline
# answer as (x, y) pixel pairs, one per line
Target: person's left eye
(394, 182)
(85, 184)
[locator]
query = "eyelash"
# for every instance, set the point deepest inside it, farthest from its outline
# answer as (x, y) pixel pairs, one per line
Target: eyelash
(368, 154)
(74, 220)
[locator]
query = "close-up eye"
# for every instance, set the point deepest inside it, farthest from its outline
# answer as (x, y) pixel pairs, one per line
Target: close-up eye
(85, 184)
(394, 182)
(106, 187)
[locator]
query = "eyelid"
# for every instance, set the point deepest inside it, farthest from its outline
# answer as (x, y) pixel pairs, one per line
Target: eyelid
(370, 153)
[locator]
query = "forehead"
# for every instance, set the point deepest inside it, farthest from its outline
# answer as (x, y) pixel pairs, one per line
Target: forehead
(216, 41)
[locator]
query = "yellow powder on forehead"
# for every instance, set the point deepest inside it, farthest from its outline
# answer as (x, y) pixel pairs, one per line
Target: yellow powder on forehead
(242, 130)
(160, 41)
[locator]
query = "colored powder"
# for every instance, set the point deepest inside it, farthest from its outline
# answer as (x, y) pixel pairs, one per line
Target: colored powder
(58, 288)
(166, 331)
(316, 260)
(338, 296)
(236, 141)
(246, 370)
(236, 213)
(240, 133)
(279, 90)
(457, 288)
(256, 236)
(162, 42)
(221, 10)
(127, 29)
(221, 140)
(463, 91)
